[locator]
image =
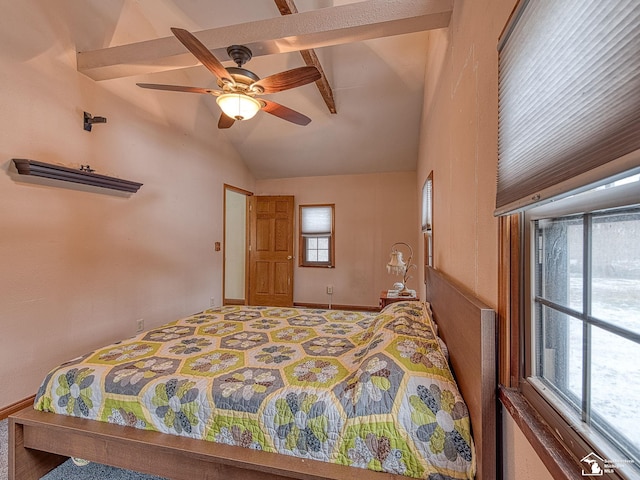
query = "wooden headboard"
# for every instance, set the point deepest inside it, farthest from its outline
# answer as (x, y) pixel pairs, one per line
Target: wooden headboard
(468, 328)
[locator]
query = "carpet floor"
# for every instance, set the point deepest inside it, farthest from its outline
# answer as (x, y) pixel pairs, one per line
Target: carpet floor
(4, 449)
(69, 470)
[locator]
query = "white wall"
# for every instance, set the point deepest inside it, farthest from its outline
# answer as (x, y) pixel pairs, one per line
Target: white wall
(235, 245)
(80, 265)
(371, 213)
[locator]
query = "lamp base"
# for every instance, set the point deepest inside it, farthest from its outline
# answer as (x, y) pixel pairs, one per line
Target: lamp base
(405, 292)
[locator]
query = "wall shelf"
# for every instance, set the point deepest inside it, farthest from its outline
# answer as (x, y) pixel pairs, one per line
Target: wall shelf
(58, 172)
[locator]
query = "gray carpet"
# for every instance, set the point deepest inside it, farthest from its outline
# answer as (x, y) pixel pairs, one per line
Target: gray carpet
(94, 471)
(69, 470)
(4, 447)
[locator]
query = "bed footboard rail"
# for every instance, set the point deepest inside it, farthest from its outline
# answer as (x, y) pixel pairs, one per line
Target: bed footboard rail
(41, 441)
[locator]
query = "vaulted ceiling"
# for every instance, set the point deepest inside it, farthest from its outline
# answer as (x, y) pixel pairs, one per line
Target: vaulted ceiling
(372, 54)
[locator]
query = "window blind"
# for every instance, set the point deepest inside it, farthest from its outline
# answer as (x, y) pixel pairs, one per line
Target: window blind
(427, 210)
(316, 220)
(569, 98)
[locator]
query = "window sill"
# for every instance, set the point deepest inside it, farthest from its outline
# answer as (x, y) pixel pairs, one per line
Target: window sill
(558, 460)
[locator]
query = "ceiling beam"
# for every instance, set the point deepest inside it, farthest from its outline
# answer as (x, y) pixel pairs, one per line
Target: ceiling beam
(287, 7)
(301, 31)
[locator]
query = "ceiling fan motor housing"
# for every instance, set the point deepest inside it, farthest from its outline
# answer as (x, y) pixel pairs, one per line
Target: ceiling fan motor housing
(242, 76)
(239, 54)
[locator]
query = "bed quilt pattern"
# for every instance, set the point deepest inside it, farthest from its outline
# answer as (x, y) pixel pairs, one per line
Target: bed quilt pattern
(369, 390)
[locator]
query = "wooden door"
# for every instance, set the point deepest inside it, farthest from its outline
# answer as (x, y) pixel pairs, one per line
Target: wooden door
(271, 250)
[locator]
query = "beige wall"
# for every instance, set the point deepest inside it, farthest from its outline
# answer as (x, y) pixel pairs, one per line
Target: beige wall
(459, 138)
(80, 265)
(371, 213)
(459, 144)
(521, 462)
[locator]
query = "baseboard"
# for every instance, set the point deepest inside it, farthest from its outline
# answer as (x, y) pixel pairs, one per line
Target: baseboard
(234, 301)
(16, 407)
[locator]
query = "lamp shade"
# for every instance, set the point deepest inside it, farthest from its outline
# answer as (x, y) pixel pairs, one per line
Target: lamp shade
(396, 264)
(238, 105)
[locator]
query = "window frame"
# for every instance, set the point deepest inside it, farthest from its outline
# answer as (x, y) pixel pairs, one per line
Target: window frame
(302, 244)
(517, 352)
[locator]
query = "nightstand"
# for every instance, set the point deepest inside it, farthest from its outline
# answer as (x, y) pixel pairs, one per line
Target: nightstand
(389, 296)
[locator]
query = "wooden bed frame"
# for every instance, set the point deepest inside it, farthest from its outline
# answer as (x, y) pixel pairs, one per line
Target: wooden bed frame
(468, 327)
(38, 441)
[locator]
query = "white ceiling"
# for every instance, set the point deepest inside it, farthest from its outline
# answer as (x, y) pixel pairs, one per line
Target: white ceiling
(377, 85)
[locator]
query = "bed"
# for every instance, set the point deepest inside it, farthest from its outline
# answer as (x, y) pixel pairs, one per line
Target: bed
(342, 370)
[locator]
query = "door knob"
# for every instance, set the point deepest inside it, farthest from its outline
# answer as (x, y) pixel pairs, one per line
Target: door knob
(289, 257)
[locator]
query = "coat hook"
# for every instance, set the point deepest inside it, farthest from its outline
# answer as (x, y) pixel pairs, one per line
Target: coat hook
(90, 120)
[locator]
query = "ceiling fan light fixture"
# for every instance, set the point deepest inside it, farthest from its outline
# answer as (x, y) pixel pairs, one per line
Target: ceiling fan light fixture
(238, 105)
(238, 86)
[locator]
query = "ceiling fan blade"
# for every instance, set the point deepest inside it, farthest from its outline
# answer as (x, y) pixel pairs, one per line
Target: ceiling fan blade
(285, 113)
(179, 88)
(288, 79)
(203, 54)
(225, 121)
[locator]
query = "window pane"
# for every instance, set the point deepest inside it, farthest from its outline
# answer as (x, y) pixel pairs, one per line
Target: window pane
(312, 243)
(312, 255)
(323, 255)
(559, 243)
(616, 269)
(323, 243)
(615, 384)
(612, 290)
(559, 350)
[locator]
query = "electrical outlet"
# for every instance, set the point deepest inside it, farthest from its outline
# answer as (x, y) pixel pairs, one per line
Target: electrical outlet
(139, 325)
(329, 289)
(212, 302)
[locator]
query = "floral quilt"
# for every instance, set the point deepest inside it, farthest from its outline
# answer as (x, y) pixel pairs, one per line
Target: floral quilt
(369, 390)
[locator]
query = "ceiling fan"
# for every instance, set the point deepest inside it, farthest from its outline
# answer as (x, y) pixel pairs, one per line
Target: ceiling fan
(239, 86)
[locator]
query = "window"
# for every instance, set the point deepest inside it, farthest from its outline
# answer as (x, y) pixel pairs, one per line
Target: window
(584, 316)
(427, 219)
(569, 121)
(317, 236)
